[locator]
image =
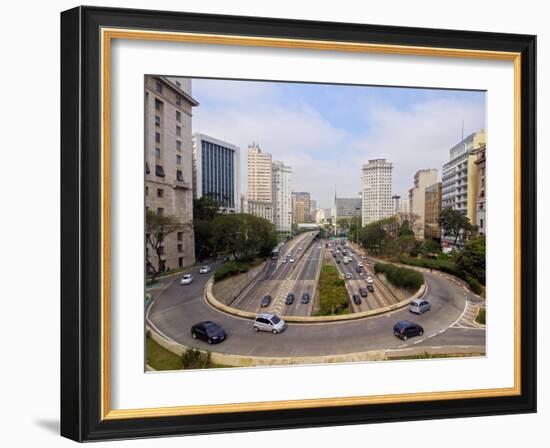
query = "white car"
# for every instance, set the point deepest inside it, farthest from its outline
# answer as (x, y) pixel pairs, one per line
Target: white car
(291, 260)
(359, 265)
(349, 276)
(370, 280)
(205, 270)
(187, 279)
(363, 257)
(283, 261)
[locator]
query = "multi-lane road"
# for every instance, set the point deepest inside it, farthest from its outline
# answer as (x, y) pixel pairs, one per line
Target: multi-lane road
(176, 308)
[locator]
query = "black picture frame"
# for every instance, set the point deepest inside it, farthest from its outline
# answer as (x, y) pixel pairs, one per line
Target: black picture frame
(81, 223)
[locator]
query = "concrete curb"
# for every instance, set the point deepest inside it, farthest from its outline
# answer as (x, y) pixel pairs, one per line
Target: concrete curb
(211, 299)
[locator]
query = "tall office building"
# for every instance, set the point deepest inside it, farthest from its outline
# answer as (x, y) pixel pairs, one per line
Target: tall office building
(347, 207)
(282, 197)
(417, 195)
(432, 211)
(168, 164)
(260, 175)
(481, 199)
(376, 195)
(301, 207)
(216, 172)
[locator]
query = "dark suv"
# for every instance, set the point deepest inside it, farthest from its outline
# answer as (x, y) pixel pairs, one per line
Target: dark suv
(356, 299)
(405, 329)
(289, 298)
(363, 292)
(305, 297)
(266, 301)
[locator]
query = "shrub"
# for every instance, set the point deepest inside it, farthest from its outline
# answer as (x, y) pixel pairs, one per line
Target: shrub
(474, 285)
(400, 277)
(231, 268)
(194, 359)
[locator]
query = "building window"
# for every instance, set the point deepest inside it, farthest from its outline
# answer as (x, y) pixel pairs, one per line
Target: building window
(160, 193)
(180, 247)
(481, 223)
(157, 153)
(160, 211)
(179, 175)
(178, 159)
(159, 87)
(178, 115)
(180, 236)
(157, 120)
(158, 104)
(161, 250)
(157, 137)
(159, 171)
(147, 170)
(180, 262)
(146, 190)
(178, 145)
(178, 131)
(178, 101)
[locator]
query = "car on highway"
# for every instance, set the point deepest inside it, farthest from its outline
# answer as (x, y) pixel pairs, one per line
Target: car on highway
(337, 261)
(356, 299)
(363, 257)
(419, 306)
(266, 301)
(205, 270)
(370, 279)
(305, 297)
(359, 264)
(291, 260)
(289, 298)
(363, 292)
(358, 270)
(370, 287)
(300, 248)
(348, 276)
(405, 329)
(208, 331)
(187, 279)
(269, 322)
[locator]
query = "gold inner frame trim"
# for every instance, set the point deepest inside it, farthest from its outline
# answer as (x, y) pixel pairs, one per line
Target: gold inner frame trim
(107, 35)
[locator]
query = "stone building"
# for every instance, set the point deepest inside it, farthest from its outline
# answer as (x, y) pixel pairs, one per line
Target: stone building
(168, 164)
(432, 211)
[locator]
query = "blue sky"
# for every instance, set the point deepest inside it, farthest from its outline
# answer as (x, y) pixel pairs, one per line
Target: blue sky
(327, 132)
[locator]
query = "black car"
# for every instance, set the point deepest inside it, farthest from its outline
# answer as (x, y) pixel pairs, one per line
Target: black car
(338, 261)
(266, 301)
(370, 287)
(305, 297)
(358, 270)
(356, 299)
(289, 298)
(363, 292)
(405, 329)
(208, 331)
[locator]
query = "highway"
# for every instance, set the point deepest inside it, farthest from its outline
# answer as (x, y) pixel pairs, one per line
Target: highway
(176, 308)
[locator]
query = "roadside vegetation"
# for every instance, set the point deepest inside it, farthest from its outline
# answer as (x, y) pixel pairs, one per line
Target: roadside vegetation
(234, 267)
(480, 318)
(427, 355)
(333, 295)
(404, 278)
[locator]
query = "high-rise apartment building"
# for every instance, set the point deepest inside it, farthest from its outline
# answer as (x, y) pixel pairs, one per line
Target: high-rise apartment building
(260, 174)
(376, 195)
(216, 172)
(282, 197)
(417, 195)
(261, 209)
(301, 207)
(168, 165)
(432, 211)
(481, 199)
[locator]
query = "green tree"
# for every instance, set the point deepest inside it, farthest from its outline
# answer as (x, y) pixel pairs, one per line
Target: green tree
(405, 229)
(205, 208)
(455, 224)
(372, 236)
(157, 227)
(472, 259)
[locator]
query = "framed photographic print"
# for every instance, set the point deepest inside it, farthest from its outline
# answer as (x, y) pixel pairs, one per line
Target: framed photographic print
(274, 223)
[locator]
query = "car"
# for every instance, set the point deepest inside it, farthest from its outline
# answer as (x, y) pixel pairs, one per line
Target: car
(363, 257)
(348, 276)
(358, 270)
(356, 299)
(205, 270)
(300, 248)
(289, 298)
(208, 331)
(363, 292)
(283, 261)
(405, 329)
(359, 265)
(337, 261)
(269, 322)
(291, 260)
(305, 297)
(187, 279)
(370, 279)
(419, 306)
(370, 287)
(266, 301)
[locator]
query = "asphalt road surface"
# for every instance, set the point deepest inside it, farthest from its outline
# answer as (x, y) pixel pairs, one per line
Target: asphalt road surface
(177, 308)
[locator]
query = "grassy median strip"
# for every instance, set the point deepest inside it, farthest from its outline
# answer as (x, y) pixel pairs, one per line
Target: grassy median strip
(333, 295)
(161, 359)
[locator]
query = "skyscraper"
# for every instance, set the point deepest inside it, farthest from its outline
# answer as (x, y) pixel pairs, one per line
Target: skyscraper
(260, 174)
(301, 207)
(377, 200)
(216, 172)
(282, 198)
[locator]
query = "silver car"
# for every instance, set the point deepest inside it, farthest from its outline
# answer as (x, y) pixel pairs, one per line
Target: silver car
(269, 322)
(419, 306)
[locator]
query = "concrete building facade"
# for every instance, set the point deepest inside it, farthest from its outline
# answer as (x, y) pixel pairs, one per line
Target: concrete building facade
(348, 207)
(432, 210)
(282, 197)
(261, 209)
(481, 199)
(301, 207)
(376, 194)
(260, 174)
(417, 194)
(217, 172)
(168, 165)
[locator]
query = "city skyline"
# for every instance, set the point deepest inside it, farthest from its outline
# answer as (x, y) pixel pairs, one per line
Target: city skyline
(312, 126)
